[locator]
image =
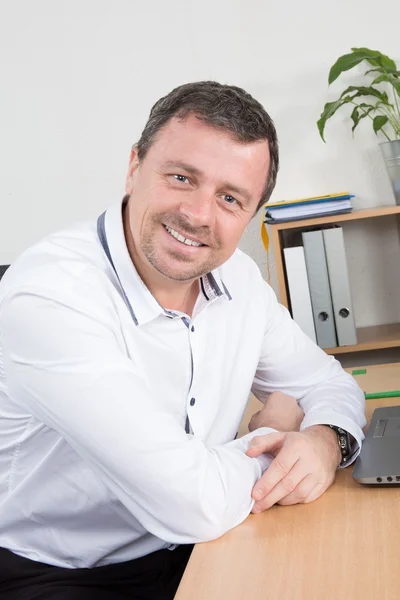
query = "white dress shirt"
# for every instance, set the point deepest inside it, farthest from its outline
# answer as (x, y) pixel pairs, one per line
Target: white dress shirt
(118, 418)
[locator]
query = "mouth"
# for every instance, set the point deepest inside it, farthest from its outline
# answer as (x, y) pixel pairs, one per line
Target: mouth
(181, 238)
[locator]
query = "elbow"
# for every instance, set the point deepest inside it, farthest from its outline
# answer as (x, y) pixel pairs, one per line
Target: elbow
(205, 530)
(206, 520)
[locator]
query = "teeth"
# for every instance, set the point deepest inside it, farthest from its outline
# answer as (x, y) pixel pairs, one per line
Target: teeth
(180, 237)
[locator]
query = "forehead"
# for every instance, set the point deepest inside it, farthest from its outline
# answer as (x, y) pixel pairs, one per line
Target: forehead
(215, 152)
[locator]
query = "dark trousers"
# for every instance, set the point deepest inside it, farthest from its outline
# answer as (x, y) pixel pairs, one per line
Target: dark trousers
(152, 577)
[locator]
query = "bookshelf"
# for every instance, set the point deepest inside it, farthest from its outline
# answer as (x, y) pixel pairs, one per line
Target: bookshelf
(369, 338)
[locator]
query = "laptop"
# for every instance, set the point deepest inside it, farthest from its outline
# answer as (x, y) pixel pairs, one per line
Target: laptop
(379, 460)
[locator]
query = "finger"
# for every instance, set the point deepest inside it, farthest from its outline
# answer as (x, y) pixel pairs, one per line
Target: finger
(282, 464)
(302, 492)
(320, 488)
(286, 486)
(316, 492)
(265, 443)
(307, 494)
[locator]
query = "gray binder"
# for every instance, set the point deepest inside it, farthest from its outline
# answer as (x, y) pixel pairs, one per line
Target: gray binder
(320, 291)
(340, 286)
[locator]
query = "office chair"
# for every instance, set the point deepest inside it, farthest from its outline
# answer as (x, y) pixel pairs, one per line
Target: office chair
(3, 269)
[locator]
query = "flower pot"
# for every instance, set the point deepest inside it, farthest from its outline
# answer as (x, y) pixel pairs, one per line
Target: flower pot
(391, 155)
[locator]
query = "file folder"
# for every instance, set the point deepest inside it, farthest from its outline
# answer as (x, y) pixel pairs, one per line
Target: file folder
(298, 290)
(320, 291)
(340, 286)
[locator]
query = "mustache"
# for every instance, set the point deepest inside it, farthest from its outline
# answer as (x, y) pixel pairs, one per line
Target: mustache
(179, 223)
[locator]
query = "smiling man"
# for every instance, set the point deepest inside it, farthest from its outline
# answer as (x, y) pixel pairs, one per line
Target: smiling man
(195, 191)
(128, 347)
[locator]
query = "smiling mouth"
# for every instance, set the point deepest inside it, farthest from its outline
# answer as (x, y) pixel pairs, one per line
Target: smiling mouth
(181, 238)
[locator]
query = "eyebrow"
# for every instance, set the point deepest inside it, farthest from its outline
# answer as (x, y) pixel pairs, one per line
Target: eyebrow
(178, 164)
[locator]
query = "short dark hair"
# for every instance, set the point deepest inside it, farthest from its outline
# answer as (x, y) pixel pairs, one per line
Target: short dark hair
(223, 106)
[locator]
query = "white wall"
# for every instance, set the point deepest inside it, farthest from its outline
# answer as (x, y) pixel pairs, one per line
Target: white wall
(78, 78)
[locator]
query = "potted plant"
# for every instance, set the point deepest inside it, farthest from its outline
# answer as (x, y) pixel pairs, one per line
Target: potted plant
(378, 100)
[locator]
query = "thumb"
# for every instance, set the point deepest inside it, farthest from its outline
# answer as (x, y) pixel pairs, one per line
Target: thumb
(271, 443)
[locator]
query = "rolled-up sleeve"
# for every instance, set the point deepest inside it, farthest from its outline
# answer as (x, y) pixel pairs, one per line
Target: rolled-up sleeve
(292, 363)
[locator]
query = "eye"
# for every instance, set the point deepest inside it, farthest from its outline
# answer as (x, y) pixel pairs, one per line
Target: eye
(181, 178)
(229, 199)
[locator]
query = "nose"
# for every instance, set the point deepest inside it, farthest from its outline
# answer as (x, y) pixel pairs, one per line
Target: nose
(198, 207)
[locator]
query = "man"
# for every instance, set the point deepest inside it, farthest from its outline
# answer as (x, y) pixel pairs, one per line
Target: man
(129, 346)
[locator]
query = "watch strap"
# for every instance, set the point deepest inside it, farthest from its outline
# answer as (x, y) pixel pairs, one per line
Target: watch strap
(344, 441)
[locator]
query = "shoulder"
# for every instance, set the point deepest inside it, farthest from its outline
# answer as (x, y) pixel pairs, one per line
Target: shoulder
(64, 264)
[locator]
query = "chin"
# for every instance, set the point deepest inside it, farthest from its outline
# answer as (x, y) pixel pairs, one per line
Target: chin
(178, 273)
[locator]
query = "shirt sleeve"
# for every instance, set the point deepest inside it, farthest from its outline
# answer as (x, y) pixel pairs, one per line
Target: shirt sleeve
(292, 363)
(64, 362)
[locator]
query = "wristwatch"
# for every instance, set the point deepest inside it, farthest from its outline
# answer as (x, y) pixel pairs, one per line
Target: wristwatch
(344, 441)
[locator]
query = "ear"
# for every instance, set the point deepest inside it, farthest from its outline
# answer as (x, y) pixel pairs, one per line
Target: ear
(133, 165)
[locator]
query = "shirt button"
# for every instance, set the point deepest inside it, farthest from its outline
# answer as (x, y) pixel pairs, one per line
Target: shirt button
(192, 330)
(192, 401)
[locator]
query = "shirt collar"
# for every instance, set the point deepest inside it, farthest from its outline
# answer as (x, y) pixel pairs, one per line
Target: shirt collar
(212, 286)
(140, 301)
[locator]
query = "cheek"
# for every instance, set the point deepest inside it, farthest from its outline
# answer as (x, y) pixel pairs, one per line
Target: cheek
(147, 201)
(154, 200)
(161, 198)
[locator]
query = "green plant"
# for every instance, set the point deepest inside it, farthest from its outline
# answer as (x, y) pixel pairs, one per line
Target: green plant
(380, 108)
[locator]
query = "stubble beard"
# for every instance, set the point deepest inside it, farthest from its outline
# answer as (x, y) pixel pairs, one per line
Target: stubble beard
(183, 268)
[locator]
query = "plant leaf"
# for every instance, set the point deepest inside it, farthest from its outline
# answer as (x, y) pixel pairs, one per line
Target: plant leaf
(376, 70)
(379, 122)
(355, 116)
(383, 70)
(370, 106)
(347, 62)
(357, 55)
(378, 59)
(389, 78)
(364, 105)
(366, 91)
(329, 110)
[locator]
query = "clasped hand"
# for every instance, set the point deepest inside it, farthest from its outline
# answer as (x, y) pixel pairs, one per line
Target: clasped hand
(305, 462)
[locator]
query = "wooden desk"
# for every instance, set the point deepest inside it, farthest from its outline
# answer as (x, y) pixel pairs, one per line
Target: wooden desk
(343, 546)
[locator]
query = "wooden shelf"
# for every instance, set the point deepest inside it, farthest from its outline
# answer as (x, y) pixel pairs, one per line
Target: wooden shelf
(369, 338)
(372, 338)
(366, 213)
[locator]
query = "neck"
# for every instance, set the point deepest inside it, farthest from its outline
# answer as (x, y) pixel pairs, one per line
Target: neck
(170, 294)
(182, 299)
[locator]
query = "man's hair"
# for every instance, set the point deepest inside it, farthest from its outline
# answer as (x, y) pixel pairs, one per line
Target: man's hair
(225, 107)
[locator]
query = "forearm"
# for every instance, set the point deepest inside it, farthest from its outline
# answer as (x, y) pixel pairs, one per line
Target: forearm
(280, 412)
(291, 363)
